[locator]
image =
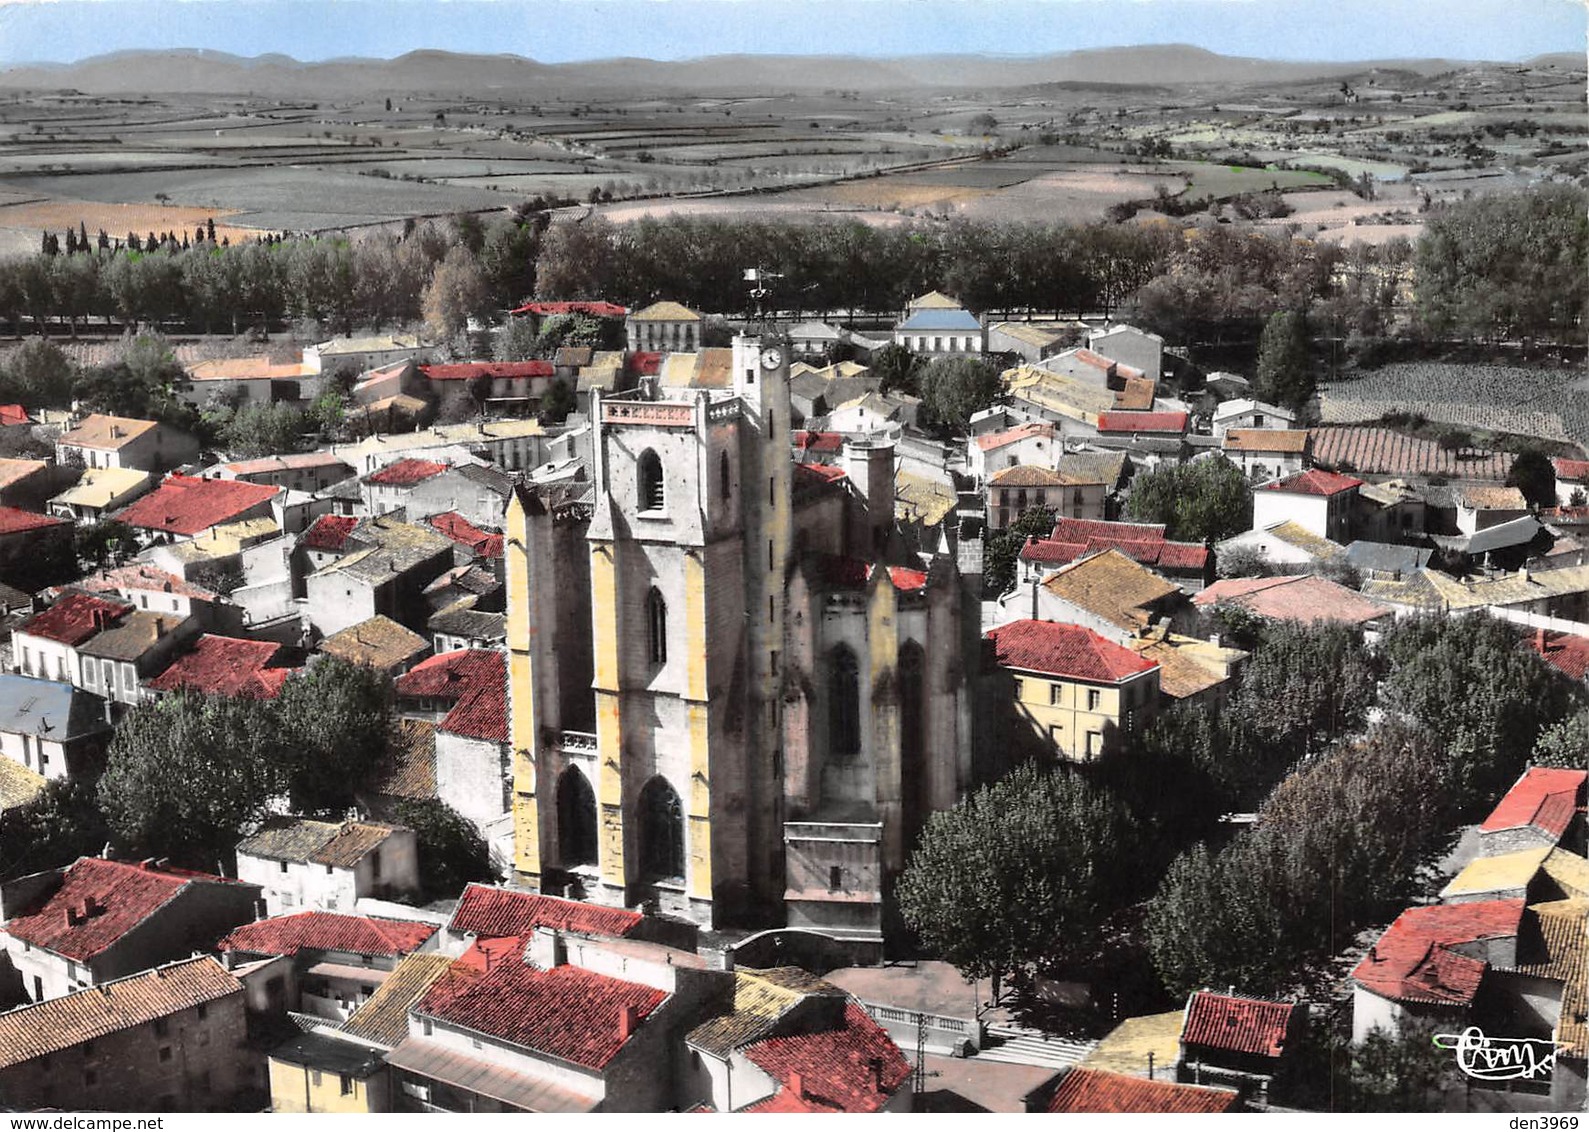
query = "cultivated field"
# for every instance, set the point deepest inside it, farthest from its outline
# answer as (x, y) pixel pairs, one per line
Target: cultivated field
(1552, 404)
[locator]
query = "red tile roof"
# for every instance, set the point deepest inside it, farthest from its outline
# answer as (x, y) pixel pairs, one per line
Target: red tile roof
(827, 473)
(993, 440)
(14, 521)
(844, 572)
(188, 505)
(1098, 1090)
(1314, 481)
(1080, 530)
(118, 895)
(74, 618)
(328, 931)
(853, 1069)
(476, 680)
(1142, 542)
(224, 666)
(1047, 550)
(566, 1012)
(1304, 598)
(594, 309)
(1414, 961)
(1576, 471)
(1240, 1025)
(818, 441)
(499, 912)
(406, 472)
(1544, 797)
(643, 362)
(496, 370)
(1565, 652)
(1071, 651)
(484, 544)
(13, 415)
(1094, 359)
(329, 532)
(1121, 420)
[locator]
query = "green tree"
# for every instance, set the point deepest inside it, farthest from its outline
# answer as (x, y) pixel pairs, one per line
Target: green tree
(1019, 875)
(263, 430)
(515, 342)
(457, 291)
(1564, 743)
(60, 825)
(952, 389)
(577, 260)
(103, 542)
(558, 403)
(1001, 550)
(1533, 474)
(451, 851)
(333, 718)
(1204, 501)
(896, 367)
(1304, 687)
(1285, 375)
(187, 773)
(40, 375)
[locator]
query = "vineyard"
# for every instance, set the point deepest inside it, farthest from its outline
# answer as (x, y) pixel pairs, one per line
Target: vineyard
(1552, 404)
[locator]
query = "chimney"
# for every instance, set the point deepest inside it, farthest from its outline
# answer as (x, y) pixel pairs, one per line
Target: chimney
(797, 1084)
(628, 1019)
(1539, 640)
(876, 1066)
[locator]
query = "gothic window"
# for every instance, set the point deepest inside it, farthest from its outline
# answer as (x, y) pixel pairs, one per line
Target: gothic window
(725, 483)
(576, 820)
(661, 832)
(844, 703)
(652, 494)
(657, 619)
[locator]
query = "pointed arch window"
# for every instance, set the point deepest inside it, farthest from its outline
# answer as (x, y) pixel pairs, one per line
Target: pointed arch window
(576, 819)
(657, 622)
(653, 495)
(661, 832)
(844, 702)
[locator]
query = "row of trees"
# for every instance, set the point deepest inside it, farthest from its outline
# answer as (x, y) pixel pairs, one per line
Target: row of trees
(185, 774)
(1360, 763)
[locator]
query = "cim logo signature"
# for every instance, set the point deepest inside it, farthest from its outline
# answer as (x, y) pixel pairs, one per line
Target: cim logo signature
(1500, 1059)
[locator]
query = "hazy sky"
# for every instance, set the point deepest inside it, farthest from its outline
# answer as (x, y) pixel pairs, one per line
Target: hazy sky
(560, 30)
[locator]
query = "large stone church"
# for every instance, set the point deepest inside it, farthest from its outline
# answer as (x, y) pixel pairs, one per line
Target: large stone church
(735, 692)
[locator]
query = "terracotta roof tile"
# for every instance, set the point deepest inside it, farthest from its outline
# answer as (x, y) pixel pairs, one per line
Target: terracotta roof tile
(665, 311)
(378, 642)
(1574, 471)
(1383, 451)
(409, 768)
(853, 1069)
(818, 441)
(761, 1000)
(567, 1012)
(475, 680)
(13, 414)
(995, 440)
(352, 843)
(1305, 598)
(187, 505)
(14, 521)
(1544, 798)
(329, 532)
(61, 1023)
(1137, 395)
(509, 371)
(1266, 440)
(1113, 586)
(118, 895)
(327, 931)
(594, 309)
(1314, 481)
(501, 912)
(484, 544)
(1026, 475)
(1121, 421)
(104, 432)
(1413, 960)
(1099, 1090)
(1240, 1025)
(1564, 930)
(1071, 651)
(406, 472)
(222, 666)
(74, 618)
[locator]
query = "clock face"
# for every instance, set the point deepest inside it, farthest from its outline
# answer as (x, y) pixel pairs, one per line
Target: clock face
(771, 358)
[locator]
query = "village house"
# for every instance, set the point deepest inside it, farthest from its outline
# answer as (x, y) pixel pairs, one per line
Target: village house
(97, 920)
(498, 387)
(100, 492)
(816, 392)
(1014, 490)
(35, 550)
(101, 441)
(171, 1039)
(1028, 342)
(1286, 544)
(511, 445)
(1247, 415)
(1085, 1090)
(338, 960)
(422, 488)
(249, 381)
(384, 572)
(1106, 591)
(1572, 481)
(1077, 694)
(462, 626)
(486, 912)
(1537, 812)
(1191, 671)
(937, 326)
(538, 311)
(1561, 593)
(663, 328)
(225, 666)
(1033, 443)
(52, 728)
(186, 507)
(1307, 598)
(355, 355)
(1241, 1043)
(300, 471)
(1142, 350)
(46, 644)
(147, 587)
(379, 643)
(321, 1071)
(1322, 502)
(301, 864)
(115, 662)
(1265, 454)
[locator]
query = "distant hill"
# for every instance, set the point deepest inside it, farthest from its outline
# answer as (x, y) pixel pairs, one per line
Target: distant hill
(448, 74)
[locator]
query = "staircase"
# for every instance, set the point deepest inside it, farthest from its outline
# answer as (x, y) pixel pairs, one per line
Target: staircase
(1018, 1045)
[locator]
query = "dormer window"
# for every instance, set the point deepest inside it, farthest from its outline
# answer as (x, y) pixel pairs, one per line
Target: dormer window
(653, 495)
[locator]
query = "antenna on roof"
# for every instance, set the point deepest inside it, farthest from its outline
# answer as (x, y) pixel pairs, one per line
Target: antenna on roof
(758, 289)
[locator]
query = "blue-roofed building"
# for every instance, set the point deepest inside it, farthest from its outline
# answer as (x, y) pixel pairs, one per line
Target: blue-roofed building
(938, 330)
(51, 728)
